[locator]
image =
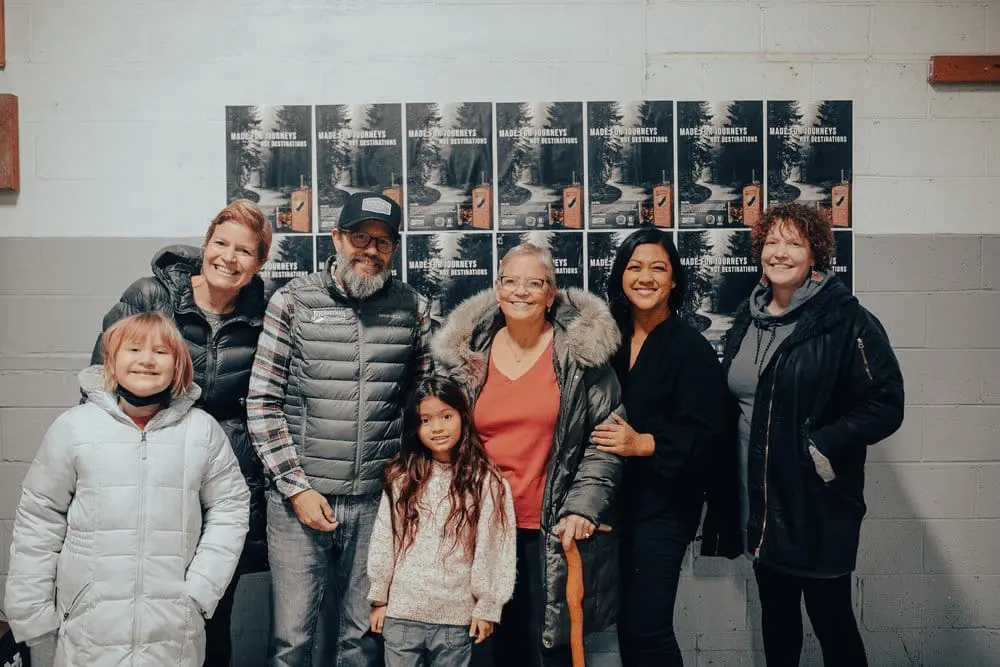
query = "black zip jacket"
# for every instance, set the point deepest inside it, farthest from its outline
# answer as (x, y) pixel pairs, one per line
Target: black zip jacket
(834, 383)
(221, 364)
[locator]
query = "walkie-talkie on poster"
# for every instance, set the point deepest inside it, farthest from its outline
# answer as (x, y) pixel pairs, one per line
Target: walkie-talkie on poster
(752, 204)
(572, 205)
(663, 203)
(481, 210)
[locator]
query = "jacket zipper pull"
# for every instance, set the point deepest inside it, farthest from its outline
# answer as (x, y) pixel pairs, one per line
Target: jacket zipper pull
(864, 358)
(143, 445)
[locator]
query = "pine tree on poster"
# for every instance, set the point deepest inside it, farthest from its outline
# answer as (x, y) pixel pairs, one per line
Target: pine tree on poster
(653, 158)
(288, 167)
(694, 152)
(425, 248)
(605, 151)
(333, 156)
(783, 150)
(569, 246)
(824, 161)
(601, 247)
(379, 166)
(471, 164)
(736, 163)
(424, 153)
(696, 246)
(734, 287)
(460, 288)
(514, 152)
(559, 161)
(242, 157)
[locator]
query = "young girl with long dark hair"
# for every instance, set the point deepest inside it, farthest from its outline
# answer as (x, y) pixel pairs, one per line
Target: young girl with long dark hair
(442, 553)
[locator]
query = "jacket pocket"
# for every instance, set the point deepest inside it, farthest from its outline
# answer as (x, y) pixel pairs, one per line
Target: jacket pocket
(70, 611)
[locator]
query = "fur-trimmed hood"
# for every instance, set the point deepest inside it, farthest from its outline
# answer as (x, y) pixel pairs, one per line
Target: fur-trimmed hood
(586, 333)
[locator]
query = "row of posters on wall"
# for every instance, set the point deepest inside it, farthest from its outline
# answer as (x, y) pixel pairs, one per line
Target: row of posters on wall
(477, 178)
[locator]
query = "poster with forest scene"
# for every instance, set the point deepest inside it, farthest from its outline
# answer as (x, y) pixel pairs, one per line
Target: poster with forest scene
(449, 157)
(291, 256)
(810, 156)
(566, 248)
(449, 268)
(721, 273)
(720, 163)
(540, 165)
(269, 162)
(325, 249)
(359, 148)
(630, 160)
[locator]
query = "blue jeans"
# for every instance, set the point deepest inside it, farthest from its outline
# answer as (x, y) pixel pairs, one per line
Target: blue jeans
(408, 642)
(300, 562)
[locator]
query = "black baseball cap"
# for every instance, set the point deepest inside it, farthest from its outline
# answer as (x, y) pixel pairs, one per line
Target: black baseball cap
(363, 206)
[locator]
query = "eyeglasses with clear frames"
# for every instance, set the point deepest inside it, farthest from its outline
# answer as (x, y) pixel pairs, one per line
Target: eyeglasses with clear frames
(361, 240)
(532, 285)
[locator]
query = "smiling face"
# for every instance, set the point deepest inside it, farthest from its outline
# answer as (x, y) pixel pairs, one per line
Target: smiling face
(786, 256)
(144, 367)
(366, 248)
(440, 428)
(648, 278)
(523, 289)
(230, 257)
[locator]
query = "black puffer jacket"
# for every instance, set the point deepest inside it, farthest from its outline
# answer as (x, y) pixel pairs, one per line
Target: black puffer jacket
(834, 382)
(221, 365)
(581, 480)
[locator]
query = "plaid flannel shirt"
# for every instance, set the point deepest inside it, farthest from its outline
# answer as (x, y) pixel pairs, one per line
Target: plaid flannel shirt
(266, 397)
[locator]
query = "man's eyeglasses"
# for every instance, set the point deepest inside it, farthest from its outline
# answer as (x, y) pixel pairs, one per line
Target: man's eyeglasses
(533, 285)
(361, 240)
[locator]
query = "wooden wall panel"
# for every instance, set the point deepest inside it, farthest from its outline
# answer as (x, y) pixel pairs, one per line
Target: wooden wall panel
(10, 171)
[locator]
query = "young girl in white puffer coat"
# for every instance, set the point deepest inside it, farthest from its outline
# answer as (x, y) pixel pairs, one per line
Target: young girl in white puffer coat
(133, 513)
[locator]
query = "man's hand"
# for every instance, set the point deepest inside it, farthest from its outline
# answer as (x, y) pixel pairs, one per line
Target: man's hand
(480, 630)
(377, 618)
(621, 439)
(313, 510)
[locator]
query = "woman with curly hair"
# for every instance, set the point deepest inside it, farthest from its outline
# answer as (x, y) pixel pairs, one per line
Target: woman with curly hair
(817, 382)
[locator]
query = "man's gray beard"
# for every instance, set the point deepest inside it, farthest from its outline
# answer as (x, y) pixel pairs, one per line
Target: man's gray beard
(356, 285)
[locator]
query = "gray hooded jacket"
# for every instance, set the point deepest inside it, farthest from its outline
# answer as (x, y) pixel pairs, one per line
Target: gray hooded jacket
(125, 539)
(581, 480)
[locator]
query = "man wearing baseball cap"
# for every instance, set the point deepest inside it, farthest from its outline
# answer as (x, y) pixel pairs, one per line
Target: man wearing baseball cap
(339, 351)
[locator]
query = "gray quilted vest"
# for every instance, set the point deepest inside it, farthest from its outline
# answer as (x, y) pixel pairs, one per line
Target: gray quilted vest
(352, 363)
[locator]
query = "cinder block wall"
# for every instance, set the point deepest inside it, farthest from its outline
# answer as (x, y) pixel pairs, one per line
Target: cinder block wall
(122, 125)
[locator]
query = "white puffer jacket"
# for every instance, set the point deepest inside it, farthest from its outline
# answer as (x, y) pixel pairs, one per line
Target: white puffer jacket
(125, 540)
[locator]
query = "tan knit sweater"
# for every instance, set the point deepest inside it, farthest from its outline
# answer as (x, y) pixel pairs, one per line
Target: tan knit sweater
(453, 591)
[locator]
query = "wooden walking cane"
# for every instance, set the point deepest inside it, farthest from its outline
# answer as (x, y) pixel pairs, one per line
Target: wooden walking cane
(574, 597)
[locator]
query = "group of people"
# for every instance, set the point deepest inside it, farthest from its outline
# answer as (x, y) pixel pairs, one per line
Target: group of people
(435, 479)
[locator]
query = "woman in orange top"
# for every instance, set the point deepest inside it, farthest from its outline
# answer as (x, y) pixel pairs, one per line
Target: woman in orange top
(536, 362)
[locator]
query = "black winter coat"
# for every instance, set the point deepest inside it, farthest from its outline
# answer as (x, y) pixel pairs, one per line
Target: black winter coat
(221, 364)
(676, 392)
(581, 480)
(834, 383)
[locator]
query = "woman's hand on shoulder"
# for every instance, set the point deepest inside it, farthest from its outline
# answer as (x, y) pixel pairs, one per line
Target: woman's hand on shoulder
(621, 439)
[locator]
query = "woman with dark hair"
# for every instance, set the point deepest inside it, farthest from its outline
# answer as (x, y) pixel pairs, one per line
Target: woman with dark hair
(817, 383)
(215, 297)
(674, 396)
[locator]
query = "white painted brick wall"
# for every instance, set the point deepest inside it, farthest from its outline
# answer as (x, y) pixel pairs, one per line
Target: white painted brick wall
(122, 109)
(126, 97)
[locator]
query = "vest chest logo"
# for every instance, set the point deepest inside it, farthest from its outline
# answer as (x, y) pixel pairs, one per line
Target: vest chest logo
(328, 315)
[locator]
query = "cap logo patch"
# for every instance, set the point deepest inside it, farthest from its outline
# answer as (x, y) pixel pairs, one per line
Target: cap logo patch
(376, 205)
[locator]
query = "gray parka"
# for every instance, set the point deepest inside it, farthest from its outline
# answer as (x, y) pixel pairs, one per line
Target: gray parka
(580, 480)
(125, 539)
